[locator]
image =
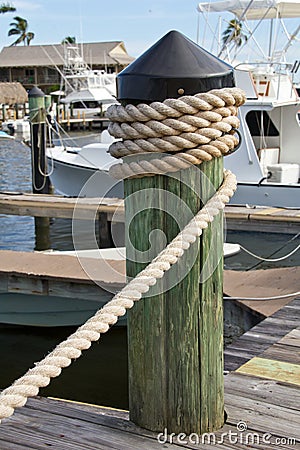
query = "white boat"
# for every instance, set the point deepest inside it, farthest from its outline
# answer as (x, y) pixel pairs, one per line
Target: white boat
(86, 90)
(83, 171)
(19, 128)
(267, 163)
(28, 310)
(268, 160)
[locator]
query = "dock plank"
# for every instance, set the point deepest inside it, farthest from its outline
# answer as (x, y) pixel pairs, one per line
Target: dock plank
(283, 353)
(47, 205)
(262, 336)
(271, 391)
(266, 219)
(260, 416)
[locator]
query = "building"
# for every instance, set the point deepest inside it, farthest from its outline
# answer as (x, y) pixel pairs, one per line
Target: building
(42, 65)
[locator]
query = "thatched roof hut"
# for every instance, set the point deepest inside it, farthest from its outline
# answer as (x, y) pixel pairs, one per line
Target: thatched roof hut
(12, 93)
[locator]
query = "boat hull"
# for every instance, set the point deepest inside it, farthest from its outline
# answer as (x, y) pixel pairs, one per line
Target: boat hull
(74, 181)
(48, 311)
(79, 181)
(267, 194)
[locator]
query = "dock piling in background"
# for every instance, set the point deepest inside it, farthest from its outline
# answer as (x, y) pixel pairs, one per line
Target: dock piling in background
(40, 179)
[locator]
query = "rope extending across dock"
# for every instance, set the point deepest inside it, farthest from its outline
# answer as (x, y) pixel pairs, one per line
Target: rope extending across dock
(28, 385)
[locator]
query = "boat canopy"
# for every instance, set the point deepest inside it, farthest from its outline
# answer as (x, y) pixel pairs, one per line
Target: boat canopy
(100, 95)
(254, 9)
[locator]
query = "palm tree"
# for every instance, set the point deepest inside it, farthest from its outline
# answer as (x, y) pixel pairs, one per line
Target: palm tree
(234, 33)
(6, 7)
(20, 27)
(69, 40)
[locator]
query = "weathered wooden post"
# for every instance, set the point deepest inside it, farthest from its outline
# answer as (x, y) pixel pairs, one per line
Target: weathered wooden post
(40, 180)
(175, 336)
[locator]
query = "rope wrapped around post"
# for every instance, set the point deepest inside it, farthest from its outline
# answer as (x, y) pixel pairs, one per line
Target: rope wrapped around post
(191, 129)
(29, 384)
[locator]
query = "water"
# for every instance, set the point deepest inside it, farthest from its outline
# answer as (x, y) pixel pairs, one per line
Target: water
(100, 375)
(265, 245)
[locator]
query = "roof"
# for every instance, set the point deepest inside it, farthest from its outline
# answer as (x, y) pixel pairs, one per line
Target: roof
(11, 93)
(96, 53)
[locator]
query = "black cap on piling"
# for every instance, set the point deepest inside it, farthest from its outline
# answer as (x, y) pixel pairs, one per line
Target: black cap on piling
(36, 92)
(172, 67)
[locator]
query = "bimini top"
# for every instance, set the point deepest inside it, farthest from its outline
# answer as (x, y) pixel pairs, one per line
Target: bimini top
(254, 9)
(172, 67)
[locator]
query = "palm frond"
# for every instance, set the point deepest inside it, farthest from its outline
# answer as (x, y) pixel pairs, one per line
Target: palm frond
(13, 31)
(6, 7)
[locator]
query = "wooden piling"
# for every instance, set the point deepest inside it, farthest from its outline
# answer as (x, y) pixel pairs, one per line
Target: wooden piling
(40, 180)
(176, 337)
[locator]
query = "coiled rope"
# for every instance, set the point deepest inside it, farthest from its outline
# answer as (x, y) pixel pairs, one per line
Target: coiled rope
(191, 129)
(51, 366)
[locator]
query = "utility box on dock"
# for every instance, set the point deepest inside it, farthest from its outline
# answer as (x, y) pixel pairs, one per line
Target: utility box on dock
(283, 173)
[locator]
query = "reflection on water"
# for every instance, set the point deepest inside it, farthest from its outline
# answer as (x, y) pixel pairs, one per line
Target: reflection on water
(99, 376)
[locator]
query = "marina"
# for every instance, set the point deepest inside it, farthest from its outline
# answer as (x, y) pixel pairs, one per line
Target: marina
(137, 237)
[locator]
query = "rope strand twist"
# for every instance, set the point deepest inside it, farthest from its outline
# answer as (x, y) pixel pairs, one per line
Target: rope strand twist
(191, 129)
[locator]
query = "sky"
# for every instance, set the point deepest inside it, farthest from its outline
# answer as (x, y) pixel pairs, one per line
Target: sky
(138, 23)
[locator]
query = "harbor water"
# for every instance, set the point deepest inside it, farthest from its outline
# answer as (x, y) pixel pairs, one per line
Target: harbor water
(100, 375)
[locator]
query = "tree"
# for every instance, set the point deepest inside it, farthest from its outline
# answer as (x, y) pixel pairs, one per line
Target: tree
(6, 7)
(19, 27)
(69, 40)
(234, 33)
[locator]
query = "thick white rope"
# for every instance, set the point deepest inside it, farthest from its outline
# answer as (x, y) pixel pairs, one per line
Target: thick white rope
(192, 129)
(28, 385)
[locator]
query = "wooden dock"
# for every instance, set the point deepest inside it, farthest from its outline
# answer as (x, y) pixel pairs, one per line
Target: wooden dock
(263, 219)
(262, 400)
(59, 275)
